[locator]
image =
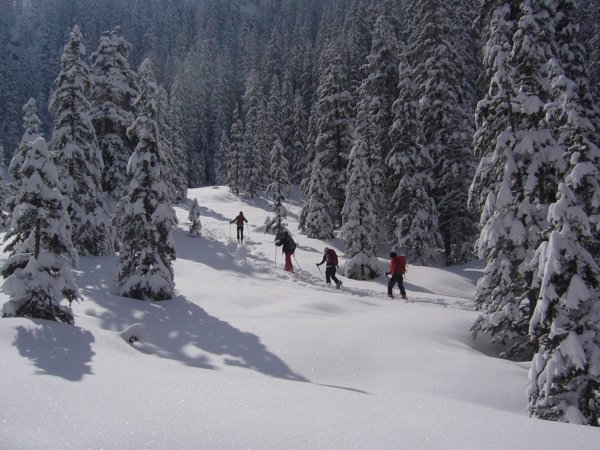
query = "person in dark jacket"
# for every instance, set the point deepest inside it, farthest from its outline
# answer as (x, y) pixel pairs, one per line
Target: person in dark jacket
(331, 264)
(397, 271)
(288, 247)
(239, 220)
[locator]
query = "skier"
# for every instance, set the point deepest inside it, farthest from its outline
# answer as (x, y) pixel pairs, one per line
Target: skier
(240, 219)
(397, 271)
(331, 260)
(288, 247)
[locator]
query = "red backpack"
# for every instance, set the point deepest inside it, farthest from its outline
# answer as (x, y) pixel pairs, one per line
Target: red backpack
(331, 257)
(399, 264)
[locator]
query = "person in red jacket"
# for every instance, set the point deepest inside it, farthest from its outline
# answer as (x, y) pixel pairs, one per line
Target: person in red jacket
(239, 220)
(397, 271)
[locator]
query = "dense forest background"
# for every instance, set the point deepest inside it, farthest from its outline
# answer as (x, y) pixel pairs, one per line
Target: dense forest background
(313, 77)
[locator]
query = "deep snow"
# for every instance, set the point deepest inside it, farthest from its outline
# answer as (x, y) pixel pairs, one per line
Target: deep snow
(249, 356)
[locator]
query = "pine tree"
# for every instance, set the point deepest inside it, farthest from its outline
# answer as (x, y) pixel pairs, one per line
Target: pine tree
(279, 185)
(235, 155)
(253, 152)
(333, 125)
(32, 130)
(172, 152)
(12, 77)
(287, 118)
(435, 55)
(176, 143)
(565, 374)
(377, 92)
(115, 88)
(413, 212)
(493, 115)
(530, 163)
(194, 218)
(359, 231)
(144, 216)
(315, 220)
(357, 35)
(76, 154)
(191, 99)
(502, 238)
(272, 118)
(297, 151)
(38, 271)
(5, 193)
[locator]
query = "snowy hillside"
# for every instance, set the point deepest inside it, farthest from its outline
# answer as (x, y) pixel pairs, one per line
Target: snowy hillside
(250, 356)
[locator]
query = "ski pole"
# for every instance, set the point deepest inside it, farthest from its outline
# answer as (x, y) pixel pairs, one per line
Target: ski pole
(296, 262)
(275, 256)
(321, 272)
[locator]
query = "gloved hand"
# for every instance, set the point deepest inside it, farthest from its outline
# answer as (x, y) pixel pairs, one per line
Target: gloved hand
(387, 274)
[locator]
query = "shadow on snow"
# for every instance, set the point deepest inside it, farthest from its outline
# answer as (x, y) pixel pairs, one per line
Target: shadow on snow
(56, 349)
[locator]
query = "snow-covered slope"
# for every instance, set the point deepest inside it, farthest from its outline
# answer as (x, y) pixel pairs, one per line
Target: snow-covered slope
(249, 356)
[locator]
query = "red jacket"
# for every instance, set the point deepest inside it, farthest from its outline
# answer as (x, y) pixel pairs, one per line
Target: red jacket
(240, 219)
(398, 264)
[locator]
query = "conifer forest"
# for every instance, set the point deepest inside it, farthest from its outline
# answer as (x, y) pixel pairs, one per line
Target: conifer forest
(449, 130)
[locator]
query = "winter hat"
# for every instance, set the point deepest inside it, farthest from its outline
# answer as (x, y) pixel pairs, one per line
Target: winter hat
(393, 255)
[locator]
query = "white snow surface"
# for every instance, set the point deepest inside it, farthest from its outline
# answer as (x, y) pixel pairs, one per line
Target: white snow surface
(250, 356)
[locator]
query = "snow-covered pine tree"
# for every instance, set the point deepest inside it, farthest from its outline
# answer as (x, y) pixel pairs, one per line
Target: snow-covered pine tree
(12, 77)
(234, 163)
(32, 129)
(360, 223)
(356, 34)
(498, 19)
(279, 186)
(287, 120)
(297, 152)
(115, 88)
(530, 164)
(145, 218)
(589, 14)
(413, 212)
(271, 121)
(315, 219)
(333, 128)
(502, 235)
(173, 169)
(377, 92)
(565, 374)
(177, 144)
(172, 154)
(223, 162)
(5, 192)
(192, 99)
(253, 157)
(575, 112)
(76, 153)
(539, 160)
(435, 56)
(194, 218)
(38, 271)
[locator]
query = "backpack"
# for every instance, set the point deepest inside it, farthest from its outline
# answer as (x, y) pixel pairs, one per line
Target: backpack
(400, 264)
(331, 257)
(289, 245)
